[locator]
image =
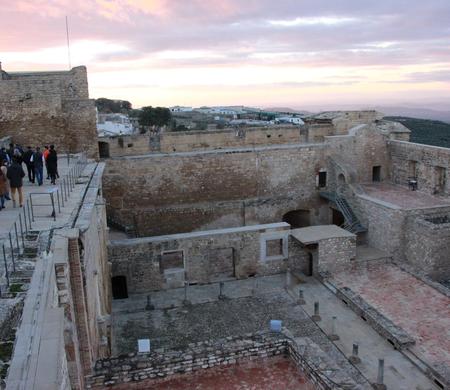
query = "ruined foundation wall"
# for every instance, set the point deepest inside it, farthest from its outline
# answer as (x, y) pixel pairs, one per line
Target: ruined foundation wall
(49, 108)
(181, 192)
(203, 257)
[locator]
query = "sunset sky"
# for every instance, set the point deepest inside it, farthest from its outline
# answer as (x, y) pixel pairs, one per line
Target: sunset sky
(254, 52)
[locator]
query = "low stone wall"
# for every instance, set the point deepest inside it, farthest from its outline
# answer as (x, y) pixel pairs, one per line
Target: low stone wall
(385, 327)
(139, 371)
(123, 371)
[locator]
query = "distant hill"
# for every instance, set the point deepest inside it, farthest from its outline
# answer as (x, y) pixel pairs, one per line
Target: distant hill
(426, 131)
(287, 110)
(415, 112)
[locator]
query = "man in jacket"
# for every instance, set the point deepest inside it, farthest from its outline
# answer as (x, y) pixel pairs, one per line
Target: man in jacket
(15, 175)
(30, 165)
(38, 161)
(52, 164)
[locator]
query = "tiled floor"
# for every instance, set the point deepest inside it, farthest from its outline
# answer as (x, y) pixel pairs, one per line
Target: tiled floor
(402, 197)
(278, 373)
(410, 303)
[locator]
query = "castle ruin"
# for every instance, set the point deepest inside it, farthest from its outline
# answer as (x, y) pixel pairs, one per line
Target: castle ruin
(318, 253)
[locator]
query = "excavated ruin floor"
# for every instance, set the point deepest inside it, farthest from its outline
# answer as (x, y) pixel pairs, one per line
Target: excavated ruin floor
(419, 309)
(173, 325)
(261, 374)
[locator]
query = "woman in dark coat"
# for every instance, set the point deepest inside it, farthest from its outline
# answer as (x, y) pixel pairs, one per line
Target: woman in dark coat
(52, 164)
(15, 176)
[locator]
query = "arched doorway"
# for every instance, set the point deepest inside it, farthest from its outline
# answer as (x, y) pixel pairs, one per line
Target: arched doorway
(103, 149)
(297, 218)
(119, 287)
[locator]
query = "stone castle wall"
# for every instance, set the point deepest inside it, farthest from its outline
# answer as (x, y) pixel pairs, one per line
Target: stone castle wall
(181, 192)
(49, 108)
(229, 138)
(429, 164)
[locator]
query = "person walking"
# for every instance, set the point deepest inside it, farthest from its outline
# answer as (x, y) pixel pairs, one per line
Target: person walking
(38, 161)
(52, 164)
(15, 175)
(4, 188)
(4, 168)
(30, 165)
(45, 154)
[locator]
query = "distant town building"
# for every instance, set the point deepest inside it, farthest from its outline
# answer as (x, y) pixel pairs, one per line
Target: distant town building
(290, 119)
(180, 109)
(114, 124)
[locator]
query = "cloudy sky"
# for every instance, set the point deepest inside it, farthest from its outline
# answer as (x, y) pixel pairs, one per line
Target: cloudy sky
(256, 52)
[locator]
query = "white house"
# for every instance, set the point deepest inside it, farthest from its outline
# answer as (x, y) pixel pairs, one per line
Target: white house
(180, 109)
(113, 124)
(290, 119)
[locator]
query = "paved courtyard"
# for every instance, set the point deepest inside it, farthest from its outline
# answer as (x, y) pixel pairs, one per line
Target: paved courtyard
(249, 306)
(402, 197)
(419, 309)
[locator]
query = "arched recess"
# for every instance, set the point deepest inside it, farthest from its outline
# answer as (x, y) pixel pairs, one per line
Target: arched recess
(119, 287)
(103, 149)
(297, 218)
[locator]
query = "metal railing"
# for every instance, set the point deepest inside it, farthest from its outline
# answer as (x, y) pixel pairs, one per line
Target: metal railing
(14, 241)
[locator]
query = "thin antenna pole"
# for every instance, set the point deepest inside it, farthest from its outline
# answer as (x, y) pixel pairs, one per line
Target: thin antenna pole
(68, 43)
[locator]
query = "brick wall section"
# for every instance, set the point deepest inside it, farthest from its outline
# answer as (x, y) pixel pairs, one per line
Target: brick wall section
(181, 192)
(428, 159)
(139, 259)
(53, 107)
(79, 302)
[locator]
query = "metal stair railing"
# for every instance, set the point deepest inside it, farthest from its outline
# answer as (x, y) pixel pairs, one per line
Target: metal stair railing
(351, 223)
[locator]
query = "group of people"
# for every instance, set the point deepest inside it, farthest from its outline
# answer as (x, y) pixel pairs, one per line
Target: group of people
(12, 173)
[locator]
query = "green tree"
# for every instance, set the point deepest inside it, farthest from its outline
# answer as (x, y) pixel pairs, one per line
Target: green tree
(158, 116)
(109, 106)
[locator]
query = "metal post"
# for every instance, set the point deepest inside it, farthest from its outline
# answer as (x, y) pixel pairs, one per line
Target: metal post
(61, 193)
(355, 358)
(380, 378)
(6, 265)
(29, 213)
(149, 305)
(316, 317)
(12, 252)
(25, 219)
(57, 198)
(255, 287)
(17, 239)
(221, 287)
(31, 207)
(185, 300)
(333, 336)
(301, 298)
(21, 230)
(53, 207)
(288, 279)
